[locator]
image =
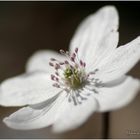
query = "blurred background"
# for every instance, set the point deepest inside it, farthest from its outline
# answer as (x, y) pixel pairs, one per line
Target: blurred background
(26, 27)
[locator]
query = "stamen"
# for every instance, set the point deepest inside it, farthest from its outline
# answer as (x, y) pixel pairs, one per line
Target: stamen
(74, 100)
(51, 64)
(72, 59)
(57, 79)
(93, 72)
(81, 63)
(70, 76)
(61, 63)
(73, 55)
(57, 73)
(57, 66)
(52, 77)
(76, 50)
(56, 85)
(66, 62)
(53, 59)
(84, 64)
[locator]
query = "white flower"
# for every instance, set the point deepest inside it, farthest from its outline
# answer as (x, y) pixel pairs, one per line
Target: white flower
(64, 90)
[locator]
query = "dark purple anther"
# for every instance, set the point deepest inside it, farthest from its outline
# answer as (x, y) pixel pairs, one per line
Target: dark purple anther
(71, 67)
(56, 79)
(81, 63)
(66, 62)
(72, 59)
(61, 63)
(57, 66)
(56, 85)
(51, 64)
(52, 77)
(76, 50)
(53, 59)
(73, 55)
(84, 64)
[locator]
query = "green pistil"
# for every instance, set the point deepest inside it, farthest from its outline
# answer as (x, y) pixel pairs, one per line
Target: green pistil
(68, 73)
(72, 77)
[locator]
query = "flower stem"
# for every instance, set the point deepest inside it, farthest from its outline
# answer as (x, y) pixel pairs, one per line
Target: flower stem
(106, 125)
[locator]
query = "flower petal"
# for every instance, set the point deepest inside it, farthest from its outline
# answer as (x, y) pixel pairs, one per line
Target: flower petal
(40, 61)
(97, 36)
(28, 118)
(114, 97)
(122, 60)
(71, 116)
(27, 89)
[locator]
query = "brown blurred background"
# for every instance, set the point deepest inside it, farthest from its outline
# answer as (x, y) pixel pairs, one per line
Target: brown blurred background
(26, 27)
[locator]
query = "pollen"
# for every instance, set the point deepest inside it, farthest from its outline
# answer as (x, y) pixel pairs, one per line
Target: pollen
(73, 78)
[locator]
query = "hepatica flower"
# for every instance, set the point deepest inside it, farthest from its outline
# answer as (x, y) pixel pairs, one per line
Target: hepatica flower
(64, 90)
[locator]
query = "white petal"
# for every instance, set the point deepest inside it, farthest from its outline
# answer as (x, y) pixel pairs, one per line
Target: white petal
(27, 89)
(105, 50)
(46, 104)
(122, 60)
(71, 116)
(40, 61)
(114, 97)
(97, 36)
(29, 118)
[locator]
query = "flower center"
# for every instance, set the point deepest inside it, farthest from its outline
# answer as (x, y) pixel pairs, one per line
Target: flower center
(70, 73)
(72, 77)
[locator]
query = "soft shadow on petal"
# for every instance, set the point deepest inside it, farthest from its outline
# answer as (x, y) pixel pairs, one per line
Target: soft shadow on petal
(39, 61)
(113, 83)
(114, 97)
(97, 36)
(29, 118)
(27, 89)
(122, 61)
(71, 116)
(46, 103)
